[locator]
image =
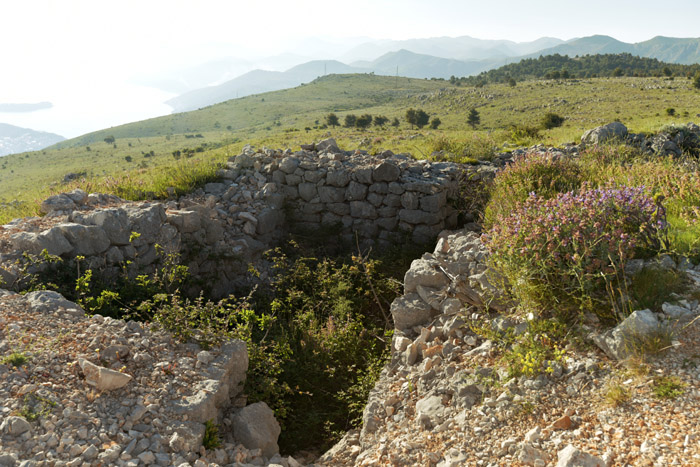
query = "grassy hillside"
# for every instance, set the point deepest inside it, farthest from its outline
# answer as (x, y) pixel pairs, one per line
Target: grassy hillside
(292, 117)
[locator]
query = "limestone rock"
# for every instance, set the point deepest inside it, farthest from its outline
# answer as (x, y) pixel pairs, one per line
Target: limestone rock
(103, 378)
(48, 301)
(87, 240)
(601, 134)
(409, 311)
(255, 427)
(52, 240)
(328, 145)
(61, 202)
(572, 457)
(15, 426)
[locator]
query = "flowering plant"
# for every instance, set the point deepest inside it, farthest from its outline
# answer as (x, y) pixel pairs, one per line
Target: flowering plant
(563, 251)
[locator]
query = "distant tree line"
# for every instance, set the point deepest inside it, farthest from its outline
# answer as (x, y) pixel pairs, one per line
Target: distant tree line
(588, 66)
(415, 118)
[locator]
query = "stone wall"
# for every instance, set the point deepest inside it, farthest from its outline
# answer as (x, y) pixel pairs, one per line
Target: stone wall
(220, 230)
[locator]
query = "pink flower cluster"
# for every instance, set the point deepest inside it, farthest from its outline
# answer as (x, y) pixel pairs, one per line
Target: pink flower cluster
(575, 240)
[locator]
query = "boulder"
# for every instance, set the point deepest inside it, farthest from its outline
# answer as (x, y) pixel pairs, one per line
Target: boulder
(328, 145)
(113, 221)
(87, 240)
(409, 311)
(103, 378)
(601, 134)
(572, 457)
(52, 240)
(48, 301)
(426, 273)
(15, 426)
(386, 172)
(255, 427)
(60, 202)
(621, 341)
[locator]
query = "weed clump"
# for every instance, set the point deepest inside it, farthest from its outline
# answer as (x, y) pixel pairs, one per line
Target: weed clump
(560, 253)
(542, 174)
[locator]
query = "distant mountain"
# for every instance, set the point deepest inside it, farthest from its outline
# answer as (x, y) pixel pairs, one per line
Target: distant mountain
(667, 49)
(409, 64)
(14, 139)
(458, 48)
(258, 81)
(413, 65)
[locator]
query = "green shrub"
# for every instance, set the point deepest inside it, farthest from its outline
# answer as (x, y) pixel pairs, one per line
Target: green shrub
(471, 148)
(16, 359)
(541, 174)
(559, 255)
(652, 286)
(667, 387)
(552, 120)
(211, 435)
(524, 135)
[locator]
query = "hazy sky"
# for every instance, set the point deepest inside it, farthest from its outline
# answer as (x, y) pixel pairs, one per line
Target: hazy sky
(81, 54)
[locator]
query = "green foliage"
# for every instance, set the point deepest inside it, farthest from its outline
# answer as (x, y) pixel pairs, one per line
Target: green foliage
(615, 393)
(211, 438)
(558, 66)
(332, 120)
(667, 387)
(435, 123)
(524, 135)
(35, 406)
(531, 353)
(418, 118)
(350, 120)
(541, 174)
(464, 150)
(552, 120)
(560, 254)
(109, 139)
(670, 111)
(363, 121)
(696, 80)
(380, 120)
(652, 286)
(16, 359)
(473, 119)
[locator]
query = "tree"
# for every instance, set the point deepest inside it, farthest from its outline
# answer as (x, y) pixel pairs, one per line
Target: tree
(109, 140)
(411, 117)
(474, 118)
(435, 123)
(395, 123)
(380, 120)
(363, 121)
(350, 120)
(666, 71)
(511, 82)
(422, 118)
(618, 72)
(696, 81)
(332, 120)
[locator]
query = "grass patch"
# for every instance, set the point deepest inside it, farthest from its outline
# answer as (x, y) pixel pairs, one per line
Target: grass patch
(652, 286)
(615, 393)
(16, 359)
(211, 438)
(667, 387)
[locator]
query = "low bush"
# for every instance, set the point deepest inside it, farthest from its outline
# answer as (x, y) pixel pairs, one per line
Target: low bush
(524, 135)
(558, 255)
(552, 120)
(469, 149)
(541, 174)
